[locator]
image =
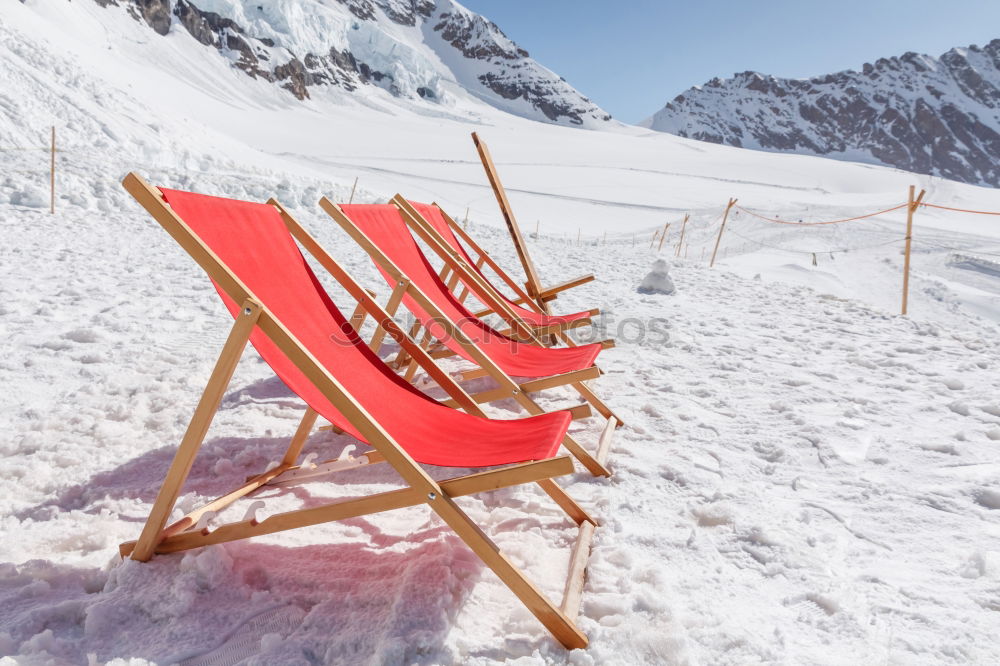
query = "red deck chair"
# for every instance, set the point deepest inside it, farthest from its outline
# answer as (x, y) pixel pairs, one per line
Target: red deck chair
(249, 252)
(382, 232)
(446, 228)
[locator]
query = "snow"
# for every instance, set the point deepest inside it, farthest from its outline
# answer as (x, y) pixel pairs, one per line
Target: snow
(657, 281)
(805, 476)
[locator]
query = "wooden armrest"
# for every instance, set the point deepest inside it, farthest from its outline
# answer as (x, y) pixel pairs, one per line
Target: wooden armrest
(550, 293)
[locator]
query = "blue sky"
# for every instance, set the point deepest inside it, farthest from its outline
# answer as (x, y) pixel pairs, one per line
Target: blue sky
(631, 56)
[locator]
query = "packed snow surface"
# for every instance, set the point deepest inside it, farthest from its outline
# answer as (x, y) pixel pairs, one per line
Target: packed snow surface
(805, 475)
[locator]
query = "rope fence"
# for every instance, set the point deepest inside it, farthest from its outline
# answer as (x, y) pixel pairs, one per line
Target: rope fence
(812, 224)
(839, 250)
(692, 229)
(960, 210)
(911, 206)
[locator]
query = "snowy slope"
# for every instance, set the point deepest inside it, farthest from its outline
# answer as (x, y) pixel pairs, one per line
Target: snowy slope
(806, 477)
(929, 115)
(803, 479)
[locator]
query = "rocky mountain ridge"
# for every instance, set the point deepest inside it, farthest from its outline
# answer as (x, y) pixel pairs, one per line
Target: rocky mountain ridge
(938, 116)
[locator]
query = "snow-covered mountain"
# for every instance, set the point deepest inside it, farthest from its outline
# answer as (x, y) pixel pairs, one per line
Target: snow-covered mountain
(415, 49)
(928, 115)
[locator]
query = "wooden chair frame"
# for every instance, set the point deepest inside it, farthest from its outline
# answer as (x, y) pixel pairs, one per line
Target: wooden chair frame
(452, 257)
(487, 292)
(535, 292)
(507, 388)
(521, 297)
(184, 534)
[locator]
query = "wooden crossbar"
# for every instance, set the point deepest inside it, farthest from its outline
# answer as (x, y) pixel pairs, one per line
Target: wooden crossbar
(558, 327)
(550, 293)
(503, 392)
(394, 499)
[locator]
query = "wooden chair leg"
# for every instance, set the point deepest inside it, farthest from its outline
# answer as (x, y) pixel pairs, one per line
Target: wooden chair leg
(208, 405)
(576, 577)
(598, 404)
(425, 340)
(300, 437)
(567, 503)
(395, 298)
(550, 615)
(402, 357)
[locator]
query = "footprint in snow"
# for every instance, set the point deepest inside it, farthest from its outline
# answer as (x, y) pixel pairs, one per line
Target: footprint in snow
(959, 407)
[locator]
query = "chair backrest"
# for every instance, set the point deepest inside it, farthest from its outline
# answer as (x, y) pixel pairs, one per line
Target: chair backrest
(253, 242)
(436, 219)
(384, 225)
(432, 214)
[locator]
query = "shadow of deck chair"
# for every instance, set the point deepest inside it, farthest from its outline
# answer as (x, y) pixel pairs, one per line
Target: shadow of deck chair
(430, 219)
(249, 252)
(535, 291)
(383, 234)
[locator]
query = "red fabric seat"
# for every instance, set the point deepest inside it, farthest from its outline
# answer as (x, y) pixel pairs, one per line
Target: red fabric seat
(384, 226)
(433, 215)
(252, 240)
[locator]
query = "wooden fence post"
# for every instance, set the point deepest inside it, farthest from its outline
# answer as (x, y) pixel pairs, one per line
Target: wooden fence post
(722, 227)
(681, 241)
(663, 236)
(911, 207)
(52, 175)
(354, 187)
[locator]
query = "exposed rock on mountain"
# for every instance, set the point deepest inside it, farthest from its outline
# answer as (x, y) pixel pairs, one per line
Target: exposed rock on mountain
(411, 48)
(938, 116)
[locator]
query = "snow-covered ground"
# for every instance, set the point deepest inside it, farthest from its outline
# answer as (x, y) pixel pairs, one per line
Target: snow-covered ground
(806, 477)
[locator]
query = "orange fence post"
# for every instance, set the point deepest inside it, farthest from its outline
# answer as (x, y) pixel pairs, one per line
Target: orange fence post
(681, 241)
(725, 216)
(663, 236)
(911, 207)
